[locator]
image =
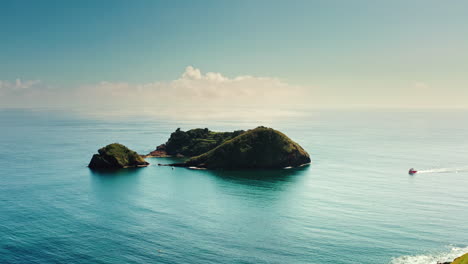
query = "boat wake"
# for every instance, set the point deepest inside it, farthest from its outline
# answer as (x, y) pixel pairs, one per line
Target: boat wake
(444, 170)
(431, 258)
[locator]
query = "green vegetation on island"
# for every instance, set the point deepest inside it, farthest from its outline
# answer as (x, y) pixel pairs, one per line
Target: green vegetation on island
(461, 260)
(193, 142)
(116, 156)
(259, 148)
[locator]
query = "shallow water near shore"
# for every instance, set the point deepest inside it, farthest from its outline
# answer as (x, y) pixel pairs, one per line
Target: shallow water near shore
(355, 203)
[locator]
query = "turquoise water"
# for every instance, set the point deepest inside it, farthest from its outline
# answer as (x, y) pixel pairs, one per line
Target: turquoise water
(354, 204)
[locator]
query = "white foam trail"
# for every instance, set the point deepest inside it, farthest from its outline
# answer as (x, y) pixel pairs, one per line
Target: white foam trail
(444, 170)
(431, 258)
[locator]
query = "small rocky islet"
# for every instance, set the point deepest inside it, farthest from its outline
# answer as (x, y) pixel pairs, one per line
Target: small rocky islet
(259, 148)
(116, 156)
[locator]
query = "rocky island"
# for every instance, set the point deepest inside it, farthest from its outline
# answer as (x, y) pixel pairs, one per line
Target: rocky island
(116, 156)
(259, 148)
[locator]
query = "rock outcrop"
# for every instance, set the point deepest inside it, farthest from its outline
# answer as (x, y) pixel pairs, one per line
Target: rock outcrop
(116, 156)
(259, 148)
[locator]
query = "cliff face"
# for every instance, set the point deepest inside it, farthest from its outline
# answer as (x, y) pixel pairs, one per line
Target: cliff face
(193, 142)
(115, 156)
(259, 148)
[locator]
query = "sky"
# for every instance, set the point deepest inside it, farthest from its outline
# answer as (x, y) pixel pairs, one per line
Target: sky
(275, 54)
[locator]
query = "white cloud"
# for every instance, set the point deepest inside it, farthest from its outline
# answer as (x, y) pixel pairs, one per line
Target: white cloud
(18, 84)
(192, 73)
(196, 88)
(198, 93)
(193, 88)
(11, 90)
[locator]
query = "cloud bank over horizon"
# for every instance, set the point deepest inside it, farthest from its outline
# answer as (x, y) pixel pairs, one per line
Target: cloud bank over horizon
(197, 93)
(192, 88)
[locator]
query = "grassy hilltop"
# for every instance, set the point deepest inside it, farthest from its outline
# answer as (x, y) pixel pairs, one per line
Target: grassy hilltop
(461, 260)
(259, 148)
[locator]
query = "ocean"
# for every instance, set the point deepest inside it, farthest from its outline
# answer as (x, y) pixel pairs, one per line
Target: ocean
(355, 203)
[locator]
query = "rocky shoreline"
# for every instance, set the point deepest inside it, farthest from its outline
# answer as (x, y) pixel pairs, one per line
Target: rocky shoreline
(159, 152)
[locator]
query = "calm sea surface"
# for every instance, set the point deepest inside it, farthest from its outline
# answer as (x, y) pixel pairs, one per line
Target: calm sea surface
(354, 204)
